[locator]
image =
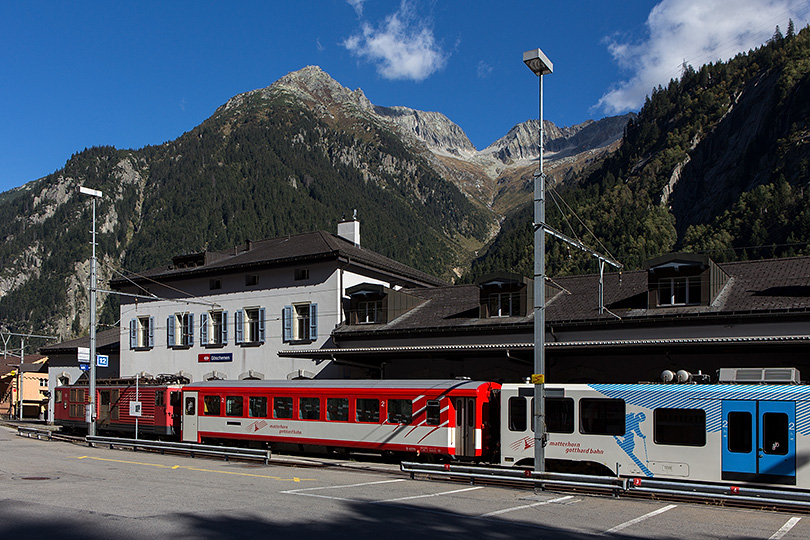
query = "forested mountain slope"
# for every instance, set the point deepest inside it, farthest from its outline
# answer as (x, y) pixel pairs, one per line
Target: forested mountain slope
(716, 162)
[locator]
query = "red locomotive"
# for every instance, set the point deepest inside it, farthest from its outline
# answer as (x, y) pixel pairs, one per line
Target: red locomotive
(158, 414)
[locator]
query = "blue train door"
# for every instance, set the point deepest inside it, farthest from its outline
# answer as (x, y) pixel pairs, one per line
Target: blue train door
(759, 441)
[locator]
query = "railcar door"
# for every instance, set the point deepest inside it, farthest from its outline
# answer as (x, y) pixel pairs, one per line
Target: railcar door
(759, 441)
(465, 426)
(189, 424)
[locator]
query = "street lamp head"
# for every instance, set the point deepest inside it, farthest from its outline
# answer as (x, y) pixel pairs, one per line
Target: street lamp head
(87, 191)
(538, 62)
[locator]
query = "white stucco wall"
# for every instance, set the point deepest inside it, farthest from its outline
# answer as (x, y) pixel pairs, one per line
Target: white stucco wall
(276, 288)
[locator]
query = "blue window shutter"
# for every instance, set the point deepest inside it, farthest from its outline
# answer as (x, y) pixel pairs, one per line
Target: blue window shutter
(313, 322)
(204, 329)
(151, 331)
(190, 329)
(261, 325)
(170, 331)
(224, 327)
(133, 333)
(287, 323)
(238, 326)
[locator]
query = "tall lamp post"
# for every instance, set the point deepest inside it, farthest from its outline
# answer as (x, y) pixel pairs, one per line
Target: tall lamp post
(91, 424)
(540, 65)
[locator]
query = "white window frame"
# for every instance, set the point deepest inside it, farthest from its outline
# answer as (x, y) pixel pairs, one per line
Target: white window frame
(180, 330)
(142, 332)
(300, 322)
(249, 324)
(499, 298)
(214, 328)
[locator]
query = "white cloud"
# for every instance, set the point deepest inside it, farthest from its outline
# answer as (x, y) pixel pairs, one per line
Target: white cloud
(484, 70)
(696, 32)
(357, 5)
(402, 47)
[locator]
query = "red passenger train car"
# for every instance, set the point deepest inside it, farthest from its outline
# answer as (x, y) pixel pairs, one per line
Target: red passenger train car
(159, 410)
(446, 417)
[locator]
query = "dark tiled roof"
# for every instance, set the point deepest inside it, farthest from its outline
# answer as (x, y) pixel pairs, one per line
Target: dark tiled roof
(754, 286)
(285, 250)
(104, 338)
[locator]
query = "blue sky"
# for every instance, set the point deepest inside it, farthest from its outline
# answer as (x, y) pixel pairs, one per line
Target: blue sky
(130, 74)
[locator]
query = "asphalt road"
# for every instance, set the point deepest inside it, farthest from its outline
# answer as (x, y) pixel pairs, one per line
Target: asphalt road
(59, 490)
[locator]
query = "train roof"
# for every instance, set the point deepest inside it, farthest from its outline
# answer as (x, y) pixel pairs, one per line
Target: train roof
(396, 384)
(639, 393)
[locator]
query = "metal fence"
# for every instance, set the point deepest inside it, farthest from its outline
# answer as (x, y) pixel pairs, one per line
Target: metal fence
(192, 449)
(699, 491)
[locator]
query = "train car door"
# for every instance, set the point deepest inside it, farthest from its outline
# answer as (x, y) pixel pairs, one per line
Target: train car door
(103, 408)
(189, 425)
(465, 426)
(759, 441)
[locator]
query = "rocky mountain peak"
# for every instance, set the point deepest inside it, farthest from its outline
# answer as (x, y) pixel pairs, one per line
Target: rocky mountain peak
(314, 85)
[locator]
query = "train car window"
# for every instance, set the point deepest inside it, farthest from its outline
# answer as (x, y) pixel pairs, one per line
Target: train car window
(257, 407)
(775, 433)
(400, 411)
(160, 396)
(337, 409)
(601, 416)
(434, 413)
(190, 406)
(104, 396)
(559, 415)
(368, 410)
(283, 407)
(233, 405)
(211, 405)
(680, 427)
(309, 408)
(740, 432)
(58, 396)
(518, 415)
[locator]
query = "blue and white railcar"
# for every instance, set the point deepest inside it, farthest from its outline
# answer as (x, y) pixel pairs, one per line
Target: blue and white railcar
(698, 432)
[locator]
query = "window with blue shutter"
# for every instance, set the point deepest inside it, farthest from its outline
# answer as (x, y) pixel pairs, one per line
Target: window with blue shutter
(224, 327)
(238, 326)
(204, 329)
(189, 330)
(287, 323)
(170, 331)
(133, 333)
(151, 332)
(313, 322)
(261, 326)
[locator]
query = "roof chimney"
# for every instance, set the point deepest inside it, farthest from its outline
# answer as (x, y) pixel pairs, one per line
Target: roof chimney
(350, 230)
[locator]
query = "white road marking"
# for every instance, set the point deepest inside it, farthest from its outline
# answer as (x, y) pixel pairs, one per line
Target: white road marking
(430, 495)
(346, 486)
(550, 501)
(639, 519)
(785, 528)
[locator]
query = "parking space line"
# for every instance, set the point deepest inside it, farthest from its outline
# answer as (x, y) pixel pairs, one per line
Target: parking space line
(785, 528)
(430, 495)
(541, 503)
(639, 519)
(297, 491)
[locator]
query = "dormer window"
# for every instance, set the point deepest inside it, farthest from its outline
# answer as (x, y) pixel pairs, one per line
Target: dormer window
(683, 279)
(505, 295)
(681, 291)
(504, 304)
(376, 304)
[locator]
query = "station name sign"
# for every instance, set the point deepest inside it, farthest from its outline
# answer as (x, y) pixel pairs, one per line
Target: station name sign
(219, 357)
